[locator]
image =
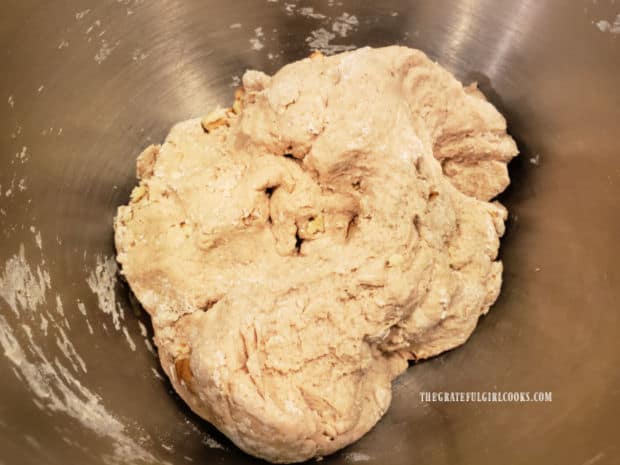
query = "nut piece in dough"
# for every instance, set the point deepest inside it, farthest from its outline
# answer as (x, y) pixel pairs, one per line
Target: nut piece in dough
(216, 119)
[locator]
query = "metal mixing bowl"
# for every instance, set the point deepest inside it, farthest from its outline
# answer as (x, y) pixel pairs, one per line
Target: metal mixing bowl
(86, 84)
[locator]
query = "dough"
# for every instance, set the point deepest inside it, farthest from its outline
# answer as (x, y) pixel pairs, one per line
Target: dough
(299, 250)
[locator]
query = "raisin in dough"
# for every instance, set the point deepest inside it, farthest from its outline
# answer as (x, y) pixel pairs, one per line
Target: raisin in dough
(296, 253)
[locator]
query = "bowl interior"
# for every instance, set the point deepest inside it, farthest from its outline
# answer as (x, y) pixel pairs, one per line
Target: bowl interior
(87, 84)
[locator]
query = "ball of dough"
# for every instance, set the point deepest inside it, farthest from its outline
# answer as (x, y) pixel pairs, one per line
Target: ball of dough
(296, 250)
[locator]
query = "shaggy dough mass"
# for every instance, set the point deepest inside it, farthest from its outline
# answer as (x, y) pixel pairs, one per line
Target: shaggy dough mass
(331, 227)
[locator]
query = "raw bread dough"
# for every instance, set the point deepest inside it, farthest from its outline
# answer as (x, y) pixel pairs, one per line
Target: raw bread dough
(332, 226)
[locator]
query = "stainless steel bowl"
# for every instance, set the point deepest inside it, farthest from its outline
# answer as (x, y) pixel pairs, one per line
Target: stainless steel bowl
(86, 84)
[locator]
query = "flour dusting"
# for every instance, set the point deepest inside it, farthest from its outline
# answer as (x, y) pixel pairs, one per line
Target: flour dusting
(132, 344)
(320, 40)
(44, 324)
(143, 330)
(66, 347)
(52, 383)
(102, 282)
(309, 12)
(59, 307)
(235, 81)
(21, 287)
(606, 26)
(256, 41)
(82, 14)
(139, 55)
(95, 32)
(354, 457)
(81, 308)
(18, 132)
(105, 50)
(290, 8)
(212, 443)
(22, 156)
(345, 23)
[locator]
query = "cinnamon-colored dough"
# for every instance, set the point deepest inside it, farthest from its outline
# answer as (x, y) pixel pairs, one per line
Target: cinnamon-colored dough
(299, 250)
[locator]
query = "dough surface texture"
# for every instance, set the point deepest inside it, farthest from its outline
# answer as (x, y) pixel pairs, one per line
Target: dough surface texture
(295, 254)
